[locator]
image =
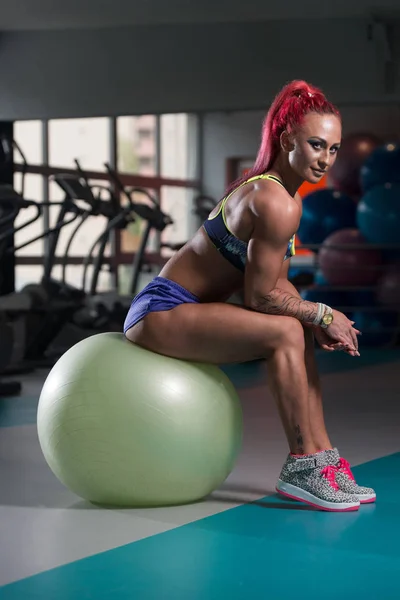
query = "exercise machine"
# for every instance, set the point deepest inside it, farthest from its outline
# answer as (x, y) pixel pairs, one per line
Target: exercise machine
(203, 205)
(41, 311)
(118, 218)
(153, 217)
(7, 388)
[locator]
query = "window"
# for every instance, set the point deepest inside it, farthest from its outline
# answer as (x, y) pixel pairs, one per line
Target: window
(33, 190)
(28, 135)
(132, 236)
(179, 156)
(131, 239)
(159, 147)
(136, 145)
(88, 140)
(74, 277)
(125, 278)
(145, 134)
(146, 165)
(27, 274)
(177, 203)
(88, 232)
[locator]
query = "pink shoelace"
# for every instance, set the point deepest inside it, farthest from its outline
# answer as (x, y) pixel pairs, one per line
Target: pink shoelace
(330, 474)
(344, 466)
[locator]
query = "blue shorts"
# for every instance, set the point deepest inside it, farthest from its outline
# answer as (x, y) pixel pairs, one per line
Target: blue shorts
(160, 294)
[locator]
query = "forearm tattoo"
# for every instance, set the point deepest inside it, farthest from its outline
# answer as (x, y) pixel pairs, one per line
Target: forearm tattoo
(280, 302)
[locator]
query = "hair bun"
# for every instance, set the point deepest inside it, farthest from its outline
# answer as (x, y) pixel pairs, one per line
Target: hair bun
(304, 92)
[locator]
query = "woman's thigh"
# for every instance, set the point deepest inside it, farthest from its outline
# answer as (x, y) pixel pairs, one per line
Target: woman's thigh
(215, 333)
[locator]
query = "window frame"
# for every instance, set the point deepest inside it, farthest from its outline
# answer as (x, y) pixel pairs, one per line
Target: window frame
(117, 257)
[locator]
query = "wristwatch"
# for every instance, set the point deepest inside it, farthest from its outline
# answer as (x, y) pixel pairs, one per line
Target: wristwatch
(327, 317)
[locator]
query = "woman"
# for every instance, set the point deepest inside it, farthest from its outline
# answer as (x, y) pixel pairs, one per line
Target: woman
(245, 244)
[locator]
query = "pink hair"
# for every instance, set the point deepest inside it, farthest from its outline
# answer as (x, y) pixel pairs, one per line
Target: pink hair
(291, 105)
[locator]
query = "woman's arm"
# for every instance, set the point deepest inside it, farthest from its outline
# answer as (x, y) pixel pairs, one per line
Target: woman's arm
(284, 284)
(322, 338)
(276, 220)
(276, 217)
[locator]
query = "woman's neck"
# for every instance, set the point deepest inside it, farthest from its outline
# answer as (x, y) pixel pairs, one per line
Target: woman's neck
(282, 169)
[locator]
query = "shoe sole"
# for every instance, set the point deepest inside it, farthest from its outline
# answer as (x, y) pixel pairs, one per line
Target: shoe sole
(296, 493)
(367, 499)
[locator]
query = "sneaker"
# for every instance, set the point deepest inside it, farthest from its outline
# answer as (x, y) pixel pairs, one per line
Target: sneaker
(311, 479)
(346, 480)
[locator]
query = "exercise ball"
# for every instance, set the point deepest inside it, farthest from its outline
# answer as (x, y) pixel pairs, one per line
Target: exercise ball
(378, 214)
(360, 298)
(388, 288)
(382, 166)
(325, 211)
(319, 278)
(119, 425)
(335, 298)
(301, 275)
(343, 262)
(378, 327)
(345, 172)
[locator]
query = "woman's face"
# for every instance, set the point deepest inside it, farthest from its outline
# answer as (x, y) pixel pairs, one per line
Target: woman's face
(314, 146)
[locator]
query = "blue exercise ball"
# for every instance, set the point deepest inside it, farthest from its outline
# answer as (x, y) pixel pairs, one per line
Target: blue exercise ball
(362, 297)
(335, 298)
(319, 278)
(378, 327)
(382, 166)
(360, 300)
(378, 214)
(324, 212)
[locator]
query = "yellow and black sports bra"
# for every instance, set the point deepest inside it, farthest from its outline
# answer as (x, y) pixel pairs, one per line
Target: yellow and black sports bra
(231, 248)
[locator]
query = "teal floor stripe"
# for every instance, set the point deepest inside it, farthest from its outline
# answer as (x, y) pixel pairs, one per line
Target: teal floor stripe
(269, 549)
(18, 411)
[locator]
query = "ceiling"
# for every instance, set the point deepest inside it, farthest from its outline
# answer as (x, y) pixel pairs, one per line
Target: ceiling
(81, 14)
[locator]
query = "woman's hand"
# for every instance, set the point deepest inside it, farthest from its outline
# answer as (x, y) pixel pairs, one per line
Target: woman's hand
(325, 341)
(340, 335)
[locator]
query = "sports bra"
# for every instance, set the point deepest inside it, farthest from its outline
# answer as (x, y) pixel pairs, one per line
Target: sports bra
(231, 248)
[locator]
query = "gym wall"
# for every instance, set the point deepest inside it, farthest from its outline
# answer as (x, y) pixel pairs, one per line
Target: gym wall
(173, 68)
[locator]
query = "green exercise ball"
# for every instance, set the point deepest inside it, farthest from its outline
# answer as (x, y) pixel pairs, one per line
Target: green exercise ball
(119, 425)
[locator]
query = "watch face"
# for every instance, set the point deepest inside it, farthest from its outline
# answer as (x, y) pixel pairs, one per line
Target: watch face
(327, 319)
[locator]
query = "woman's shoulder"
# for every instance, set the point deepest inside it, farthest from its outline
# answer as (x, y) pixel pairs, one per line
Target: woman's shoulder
(272, 199)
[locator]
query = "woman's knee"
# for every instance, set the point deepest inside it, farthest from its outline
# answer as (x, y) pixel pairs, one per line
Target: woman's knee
(291, 334)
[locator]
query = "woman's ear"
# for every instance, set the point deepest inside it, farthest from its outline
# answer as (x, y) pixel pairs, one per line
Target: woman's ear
(286, 142)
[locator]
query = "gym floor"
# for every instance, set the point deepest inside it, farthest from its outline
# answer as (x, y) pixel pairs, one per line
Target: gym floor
(242, 542)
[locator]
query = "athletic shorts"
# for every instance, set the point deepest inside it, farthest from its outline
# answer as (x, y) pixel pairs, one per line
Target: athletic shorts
(159, 295)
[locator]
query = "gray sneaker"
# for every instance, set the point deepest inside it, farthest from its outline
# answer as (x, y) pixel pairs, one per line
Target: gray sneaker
(311, 479)
(345, 478)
